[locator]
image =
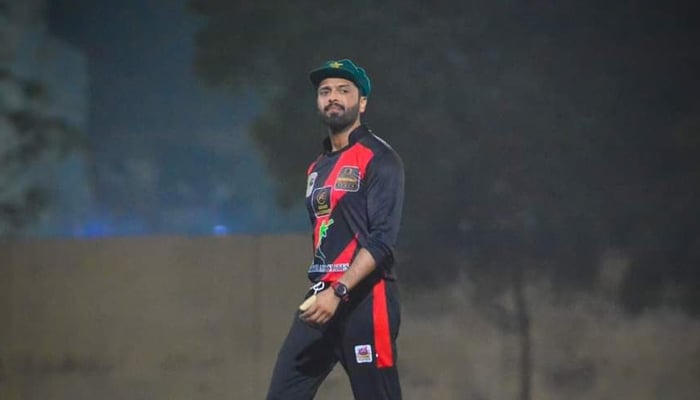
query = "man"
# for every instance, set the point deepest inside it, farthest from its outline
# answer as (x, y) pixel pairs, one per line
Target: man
(354, 196)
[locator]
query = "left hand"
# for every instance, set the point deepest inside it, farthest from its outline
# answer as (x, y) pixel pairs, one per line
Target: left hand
(323, 309)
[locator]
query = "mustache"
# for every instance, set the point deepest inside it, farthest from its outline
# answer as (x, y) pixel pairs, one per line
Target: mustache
(326, 108)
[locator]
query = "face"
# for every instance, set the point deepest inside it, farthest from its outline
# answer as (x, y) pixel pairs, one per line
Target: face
(339, 103)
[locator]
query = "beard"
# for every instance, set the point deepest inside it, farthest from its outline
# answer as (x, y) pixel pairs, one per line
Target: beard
(338, 120)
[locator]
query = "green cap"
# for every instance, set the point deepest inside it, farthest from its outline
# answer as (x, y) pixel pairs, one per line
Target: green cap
(345, 69)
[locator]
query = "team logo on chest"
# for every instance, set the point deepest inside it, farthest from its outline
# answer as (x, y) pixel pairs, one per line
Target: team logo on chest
(321, 201)
(348, 179)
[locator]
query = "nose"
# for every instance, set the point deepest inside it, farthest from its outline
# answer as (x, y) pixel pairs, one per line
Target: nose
(333, 98)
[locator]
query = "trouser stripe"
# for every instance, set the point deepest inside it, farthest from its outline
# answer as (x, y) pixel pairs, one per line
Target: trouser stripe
(382, 333)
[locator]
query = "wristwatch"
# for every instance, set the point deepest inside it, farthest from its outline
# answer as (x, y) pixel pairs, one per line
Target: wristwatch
(341, 291)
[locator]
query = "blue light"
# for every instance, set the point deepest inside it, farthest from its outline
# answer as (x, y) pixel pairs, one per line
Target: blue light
(93, 229)
(219, 230)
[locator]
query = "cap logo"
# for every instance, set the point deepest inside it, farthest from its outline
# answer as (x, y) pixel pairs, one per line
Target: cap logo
(335, 64)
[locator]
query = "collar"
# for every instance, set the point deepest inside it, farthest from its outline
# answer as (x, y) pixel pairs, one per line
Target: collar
(357, 134)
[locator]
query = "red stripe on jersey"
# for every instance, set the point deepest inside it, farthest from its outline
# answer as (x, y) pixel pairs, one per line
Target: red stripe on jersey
(346, 254)
(357, 156)
(333, 200)
(329, 180)
(382, 334)
(363, 155)
(332, 276)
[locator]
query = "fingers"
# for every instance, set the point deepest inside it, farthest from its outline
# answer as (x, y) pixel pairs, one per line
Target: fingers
(311, 316)
(320, 310)
(315, 315)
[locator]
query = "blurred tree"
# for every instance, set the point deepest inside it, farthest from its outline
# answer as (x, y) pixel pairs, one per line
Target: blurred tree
(524, 127)
(28, 141)
(42, 115)
(525, 130)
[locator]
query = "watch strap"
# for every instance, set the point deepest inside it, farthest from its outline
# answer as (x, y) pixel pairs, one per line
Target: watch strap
(341, 291)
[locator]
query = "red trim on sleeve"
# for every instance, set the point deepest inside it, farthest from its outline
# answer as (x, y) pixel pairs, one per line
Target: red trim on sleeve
(382, 334)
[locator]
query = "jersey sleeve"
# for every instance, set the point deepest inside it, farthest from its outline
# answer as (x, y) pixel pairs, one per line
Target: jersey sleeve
(385, 193)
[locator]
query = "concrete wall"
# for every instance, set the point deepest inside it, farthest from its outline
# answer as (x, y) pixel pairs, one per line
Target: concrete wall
(162, 318)
(202, 318)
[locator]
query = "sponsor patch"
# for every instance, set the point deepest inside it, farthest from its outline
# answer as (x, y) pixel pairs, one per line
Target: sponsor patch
(310, 183)
(324, 268)
(348, 179)
(321, 201)
(363, 353)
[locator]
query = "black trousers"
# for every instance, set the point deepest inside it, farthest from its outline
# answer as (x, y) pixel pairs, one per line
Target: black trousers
(361, 336)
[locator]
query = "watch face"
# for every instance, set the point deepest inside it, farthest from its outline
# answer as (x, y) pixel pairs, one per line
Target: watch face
(341, 289)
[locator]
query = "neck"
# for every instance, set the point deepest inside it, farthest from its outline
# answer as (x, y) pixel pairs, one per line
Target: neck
(341, 138)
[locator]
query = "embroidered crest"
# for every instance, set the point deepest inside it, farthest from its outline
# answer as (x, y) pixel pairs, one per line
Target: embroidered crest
(321, 201)
(348, 179)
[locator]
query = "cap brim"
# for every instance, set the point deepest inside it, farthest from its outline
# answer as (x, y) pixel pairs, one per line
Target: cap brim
(317, 76)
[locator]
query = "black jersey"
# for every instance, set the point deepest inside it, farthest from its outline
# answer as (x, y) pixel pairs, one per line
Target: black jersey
(355, 198)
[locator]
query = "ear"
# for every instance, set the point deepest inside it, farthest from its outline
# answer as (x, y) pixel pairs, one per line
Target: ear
(363, 104)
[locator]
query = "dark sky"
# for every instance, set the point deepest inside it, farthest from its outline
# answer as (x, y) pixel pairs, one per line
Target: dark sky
(140, 56)
(147, 105)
